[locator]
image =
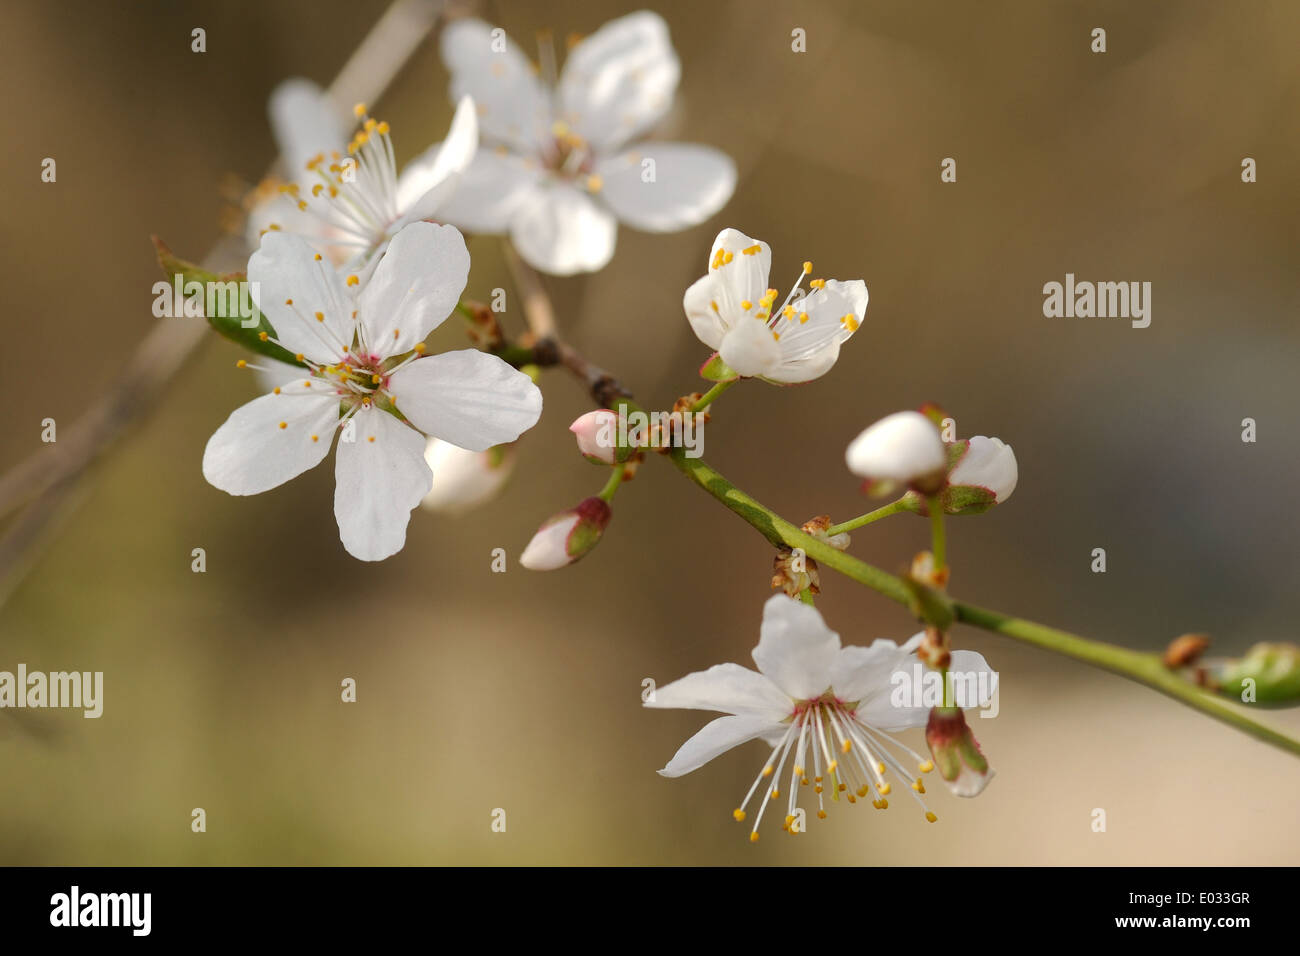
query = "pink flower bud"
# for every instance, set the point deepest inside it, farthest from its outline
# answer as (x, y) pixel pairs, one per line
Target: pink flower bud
(567, 536)
(597, 434)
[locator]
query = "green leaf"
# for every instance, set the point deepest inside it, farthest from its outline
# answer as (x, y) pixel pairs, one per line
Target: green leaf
(716, 370)
(229, 326)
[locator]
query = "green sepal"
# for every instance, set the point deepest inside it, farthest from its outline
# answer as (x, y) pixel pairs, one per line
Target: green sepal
(716, 370)
(230, 327)
(929, 605)
(1274, 669)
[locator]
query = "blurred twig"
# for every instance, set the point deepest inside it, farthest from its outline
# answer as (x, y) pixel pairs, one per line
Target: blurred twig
(44, 481)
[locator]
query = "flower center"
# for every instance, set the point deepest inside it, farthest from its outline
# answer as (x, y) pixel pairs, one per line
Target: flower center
(846, 755)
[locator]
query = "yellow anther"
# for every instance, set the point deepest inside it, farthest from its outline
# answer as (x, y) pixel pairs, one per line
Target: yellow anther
(803, 781)
(775, 793)
(841, 788)
(776, 336)
(788, 820)
(847, 745)
(738, 814)
(320, 316)
(299, 356)
(818, 779)
(746, 304)
(918, 786)
(817, 283)
(317, 257)
(727, 258)
(880, 767)
(333, 192)
(353, 280)
(926, 766)
(359, 110)
(374, 379)
(850, 322)
(274, 227)
(788, 312)
(382, 128)
(753, 250)
(817, 789)
(277, 390)
(284, 425)
(302, 205)
(595, 184)
(807, 268)
(371, 438)
(241, 364)
(803, 317)
(798, 771)
(316, 191)
(929, 815)
(315, 438)
(767, 771)
(753, 837)
(884, 804)
(863, 790)
(419, 349)
(714, 306)
(369, 125)
(821, 814)
(830, 767)
(884, 789)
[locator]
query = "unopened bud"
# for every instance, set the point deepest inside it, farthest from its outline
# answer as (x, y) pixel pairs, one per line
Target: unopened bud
(956, 752)
(597, 435)
(567, 536)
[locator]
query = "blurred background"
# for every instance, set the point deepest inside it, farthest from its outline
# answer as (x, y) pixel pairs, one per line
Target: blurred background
(521, 690)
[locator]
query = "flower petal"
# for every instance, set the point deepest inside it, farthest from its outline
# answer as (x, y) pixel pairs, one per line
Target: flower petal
(291, 285)
(619, 81)
(690, 184)
(512, 107)
(988, 463)
(559, 230)
(468, 398)
(742, 274)
(428, 180)
(462, 479)
(250, 453)
(974, 682)
(490, 191)
(717, 737)
(305, 122)
(704, 311)
(796, 650)
(900, 447)
(414, 288)
(809, 348)
(379, 477)
(750, 348)
(729, 688)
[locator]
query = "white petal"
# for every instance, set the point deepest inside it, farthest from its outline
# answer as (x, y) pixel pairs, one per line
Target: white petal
(899, 447)
(380, 476)
(873, 686)
(559, 230)
(251, 453)
(512, 108)
(414, 288)
(271, 374)
(463, 479)
(620, 80)
(704, 311)
(286, 269)
(690, 184)
(742, 275)
(548, 549)
(988, 463)
(717, 737)
(305, 122)
(750, 348)
(468, 398)
(809, 348)
(861, 671)
(729, 688)
(974, 681)
(490, 191)
(796, 649)
(429, 179)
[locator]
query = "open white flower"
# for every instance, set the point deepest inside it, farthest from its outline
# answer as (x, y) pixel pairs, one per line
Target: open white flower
(351, 202)
(825, 708)
(555, 171)
(733, 311)
(365, 374)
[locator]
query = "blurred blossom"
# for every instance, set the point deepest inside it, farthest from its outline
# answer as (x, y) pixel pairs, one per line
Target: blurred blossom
(555, 171)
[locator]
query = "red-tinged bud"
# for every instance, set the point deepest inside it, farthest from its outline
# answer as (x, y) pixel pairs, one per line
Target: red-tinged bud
(598, 438)
(567, 536)
(956, 752)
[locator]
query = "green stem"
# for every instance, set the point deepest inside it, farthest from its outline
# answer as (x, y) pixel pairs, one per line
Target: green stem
(938, 541)
(1137, 666)
(707, 398)
(611, 486)
(893, 508)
